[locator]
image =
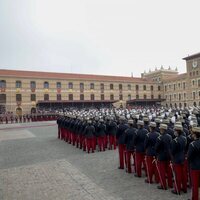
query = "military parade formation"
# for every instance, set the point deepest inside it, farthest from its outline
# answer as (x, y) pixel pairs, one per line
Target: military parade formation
(161, 144)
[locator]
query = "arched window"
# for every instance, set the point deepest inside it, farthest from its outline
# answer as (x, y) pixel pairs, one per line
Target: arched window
(58, 85)
(144, 87)
(102, 97)
(70, 85)
(159, 88)
(82, 97)
(18, 84)
(81, 87)
(92, 97)
(145, 96)
(46, 97)
(92, 86)
(111, 97)
(159, 96)
(111, 86)
(46, 85)
(70, 97)
(120, 87)
(32, 85)
(137, 87)
(151, 87)
(2, 84)
(129, 87)
(129, 97)
(120, 97)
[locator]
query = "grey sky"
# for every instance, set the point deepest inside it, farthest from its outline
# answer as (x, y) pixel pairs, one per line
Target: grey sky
(98, 36)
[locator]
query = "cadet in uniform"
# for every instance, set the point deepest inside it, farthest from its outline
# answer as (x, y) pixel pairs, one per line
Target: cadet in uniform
(149, 145)
(194, 162)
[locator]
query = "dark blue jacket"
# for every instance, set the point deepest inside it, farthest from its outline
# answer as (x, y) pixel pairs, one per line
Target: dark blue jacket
(149, 143)
(130, 134)
(163, 147)
(194, 155)
(120, 133)
(139, 140)
(101, 130)
(112, 128)
(178, 146)
(89, 131)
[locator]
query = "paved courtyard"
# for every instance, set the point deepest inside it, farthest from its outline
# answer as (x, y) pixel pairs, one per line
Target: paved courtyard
(34, 164)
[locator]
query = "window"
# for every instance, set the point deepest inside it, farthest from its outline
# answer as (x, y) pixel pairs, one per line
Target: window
(129, 97)
(111, 97)
(197, 73)
(193, 82)
(144, 87)
(18, 97)
(194, 95)
(82, 97)
(70, 97)
(33, 97)
(59, 97)
(145, 96)
(58, 84)
(32, 84)
(137, 87)
(174, 86)
(199, 83)
(92, 97)
(120, 86)
(18, 84)
(102, 97)
(2, 98)
(165, 88)
(137, 96)
(194, 73)
(159, 88)
(129, 87)
(179, 85)
(179, 96)
(102, 87)
(120, 97)
(184, 95)
(111, 86)
(81, 86)
(159, 96)
(92, 86)
(174, 96)
(170, 97)
(2, 84)
(152, 97)
(183, 85)
(46, 85)
(190, 73)
(70, 85)
(151, 87)
(46, 97)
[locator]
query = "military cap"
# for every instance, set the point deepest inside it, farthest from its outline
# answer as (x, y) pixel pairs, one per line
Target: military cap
(196, 129)
(130, 121)
(165, 121)
(157, 120)
(122, 118)
(163, 126)
(178, 127)
(152, 124)
(145, 119)
(140, 122)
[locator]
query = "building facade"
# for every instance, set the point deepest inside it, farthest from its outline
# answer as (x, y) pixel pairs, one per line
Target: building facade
(22, 91)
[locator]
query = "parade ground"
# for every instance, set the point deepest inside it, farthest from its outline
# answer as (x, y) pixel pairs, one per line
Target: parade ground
(34, 164)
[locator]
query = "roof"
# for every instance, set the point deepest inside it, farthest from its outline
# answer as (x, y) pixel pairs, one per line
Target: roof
(70, 76)
(176, 78)
(197, 55)
(75, 101)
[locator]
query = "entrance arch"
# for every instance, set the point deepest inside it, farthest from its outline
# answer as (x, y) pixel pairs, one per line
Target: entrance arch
(19, 111)
(33, 110)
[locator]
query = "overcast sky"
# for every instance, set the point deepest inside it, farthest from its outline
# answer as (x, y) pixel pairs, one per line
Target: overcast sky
(113, 37)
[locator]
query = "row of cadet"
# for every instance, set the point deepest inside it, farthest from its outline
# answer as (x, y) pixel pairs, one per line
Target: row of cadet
(10, 118)
(169, 154)
(168, 151)
(88, 134)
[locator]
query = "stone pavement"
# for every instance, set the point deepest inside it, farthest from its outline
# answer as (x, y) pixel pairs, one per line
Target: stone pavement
(34, 164)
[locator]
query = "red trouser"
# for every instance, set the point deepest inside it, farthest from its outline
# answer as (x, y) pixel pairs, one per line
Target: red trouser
(121, 155)
(105, 141)
(128, 160)
(101, 144)
(195, 176)
(112, 141)
(151, 169)
(181, 179)
(165, 171)
(139, 159)
(90, 144)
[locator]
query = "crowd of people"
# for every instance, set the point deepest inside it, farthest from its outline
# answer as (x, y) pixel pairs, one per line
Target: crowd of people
(157, 143)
